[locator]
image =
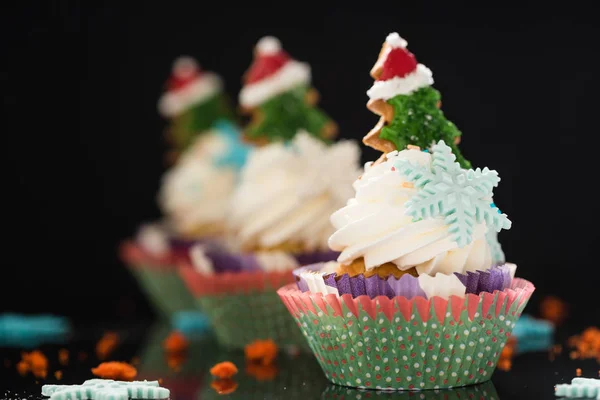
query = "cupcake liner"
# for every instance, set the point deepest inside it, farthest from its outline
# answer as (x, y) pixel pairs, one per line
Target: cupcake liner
(407, 344)
(159, 280)
(484, 391)
(238, 319)
(496, 278)
(240, 299)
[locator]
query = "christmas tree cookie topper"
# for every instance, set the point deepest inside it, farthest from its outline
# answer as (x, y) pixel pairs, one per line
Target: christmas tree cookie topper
(187, 85)
(278, 95)
(409, 108)
(193, 102)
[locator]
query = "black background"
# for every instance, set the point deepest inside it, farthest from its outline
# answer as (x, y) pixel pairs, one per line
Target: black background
(83, 145)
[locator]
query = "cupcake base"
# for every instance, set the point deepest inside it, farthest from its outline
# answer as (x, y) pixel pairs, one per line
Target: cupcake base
(239, 319)
(159, 280)
(401, 344)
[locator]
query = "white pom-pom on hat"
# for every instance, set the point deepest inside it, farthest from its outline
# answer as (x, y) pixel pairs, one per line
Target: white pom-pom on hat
(268, 45)
(395, 41)
(184, 67)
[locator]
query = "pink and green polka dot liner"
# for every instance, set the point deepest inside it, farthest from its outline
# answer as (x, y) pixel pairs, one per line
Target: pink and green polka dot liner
(379, 345)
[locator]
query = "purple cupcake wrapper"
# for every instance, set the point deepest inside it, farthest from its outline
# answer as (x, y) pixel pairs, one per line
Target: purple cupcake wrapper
(225, 261)
(496, 278)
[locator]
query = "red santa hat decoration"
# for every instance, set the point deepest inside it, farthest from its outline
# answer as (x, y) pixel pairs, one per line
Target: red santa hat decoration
(272, 72)
(400, 73)
(188, 85)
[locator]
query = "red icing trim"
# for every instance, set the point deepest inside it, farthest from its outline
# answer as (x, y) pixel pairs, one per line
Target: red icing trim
(265, 66)
(398, 63)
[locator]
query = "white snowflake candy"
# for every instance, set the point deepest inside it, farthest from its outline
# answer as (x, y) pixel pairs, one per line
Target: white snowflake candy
(462, 197)
(107, 389)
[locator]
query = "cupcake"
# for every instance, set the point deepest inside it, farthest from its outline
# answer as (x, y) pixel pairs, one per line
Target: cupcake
(420, 296)
(195, 190)
(278, 214)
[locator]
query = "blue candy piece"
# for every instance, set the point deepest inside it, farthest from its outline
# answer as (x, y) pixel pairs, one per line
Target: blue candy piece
(19, 330)
(190, 323)
(533, 334)
(237, 151)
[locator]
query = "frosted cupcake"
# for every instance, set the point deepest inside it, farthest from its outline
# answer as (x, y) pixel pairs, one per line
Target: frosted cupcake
(279, 213)
(195, 192)
(420, 296)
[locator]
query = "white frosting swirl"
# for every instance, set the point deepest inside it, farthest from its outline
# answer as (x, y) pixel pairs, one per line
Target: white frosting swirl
(373, 225)
(288, 191)
(195, 192)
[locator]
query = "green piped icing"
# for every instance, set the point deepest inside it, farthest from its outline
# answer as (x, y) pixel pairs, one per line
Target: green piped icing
(282, 116)
(419, 121)
(197, 119)
(461, 196)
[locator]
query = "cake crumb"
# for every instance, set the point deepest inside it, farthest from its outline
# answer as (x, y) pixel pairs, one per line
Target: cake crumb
(224, 370)
(261, 351)
(58, 375)
(115, 370)
(224, 386)
(106, 345)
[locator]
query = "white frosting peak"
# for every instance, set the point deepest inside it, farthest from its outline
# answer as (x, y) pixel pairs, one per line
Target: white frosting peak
(394, 40)
(288, 191)
(268, 45)
(195, 192)
(373, 225)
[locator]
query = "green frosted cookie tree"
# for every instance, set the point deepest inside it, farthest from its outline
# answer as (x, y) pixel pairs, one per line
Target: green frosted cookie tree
(409, 107)
(278, 96)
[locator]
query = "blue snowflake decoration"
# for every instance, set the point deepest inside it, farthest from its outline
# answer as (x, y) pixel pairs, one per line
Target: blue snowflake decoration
(580, 388)
(462, 197)
(107, 389)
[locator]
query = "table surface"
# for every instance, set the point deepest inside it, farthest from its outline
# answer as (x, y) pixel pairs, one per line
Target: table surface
(532, 376)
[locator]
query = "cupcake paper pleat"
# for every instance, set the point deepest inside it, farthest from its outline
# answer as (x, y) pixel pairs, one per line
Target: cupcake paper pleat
(402, 344)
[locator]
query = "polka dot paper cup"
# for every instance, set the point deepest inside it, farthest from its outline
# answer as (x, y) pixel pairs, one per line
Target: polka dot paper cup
(407, 344)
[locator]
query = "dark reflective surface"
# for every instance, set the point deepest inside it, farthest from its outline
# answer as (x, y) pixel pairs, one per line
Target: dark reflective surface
(296, 376)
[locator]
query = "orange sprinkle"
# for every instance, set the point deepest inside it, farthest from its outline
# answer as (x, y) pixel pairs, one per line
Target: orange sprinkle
(115, 370)
(58, 375)
(261, 351)
(37, 362)
(175, 343)
(586, 345)
(504, 365)
(553, 309)
(578, 372)
(224, 386)
(106, 345)
(224, 370)
(262, 372)
(176, 360)
(63, 357)
(23, 368)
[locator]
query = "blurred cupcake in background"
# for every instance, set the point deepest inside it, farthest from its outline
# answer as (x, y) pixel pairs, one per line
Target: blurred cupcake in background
(278, 216)
(420, 296)
(205, 156)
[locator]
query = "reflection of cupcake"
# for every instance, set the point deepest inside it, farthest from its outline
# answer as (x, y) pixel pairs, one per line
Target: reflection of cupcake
(288, 377)
(484, 391)
(195, 191)
(279, 212)
(419, 297)
(180, 373)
